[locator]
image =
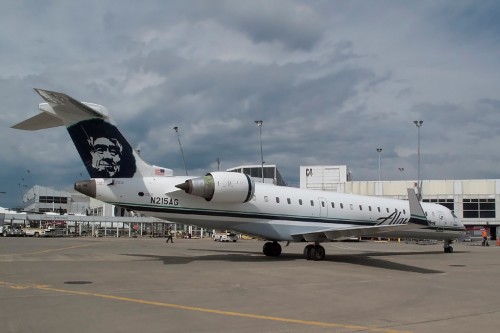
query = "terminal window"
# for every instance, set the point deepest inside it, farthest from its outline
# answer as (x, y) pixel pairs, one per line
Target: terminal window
(479, 208)
(46, 199)
(448, 203)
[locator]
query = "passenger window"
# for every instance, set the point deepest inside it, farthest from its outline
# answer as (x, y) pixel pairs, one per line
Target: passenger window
(277, 200)
(289, 201)
(333, 205)
(387, 209)
(266, 198)
(312, 203)
(404, 211)
(352, 206)
(378, 208)
(360, 207)
(341, 206)
(300, 202)
(370, 208)
(322, 204)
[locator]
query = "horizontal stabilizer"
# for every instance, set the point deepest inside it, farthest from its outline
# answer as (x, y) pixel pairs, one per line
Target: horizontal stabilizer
(65, 104)
(61, 110)
(40, 121)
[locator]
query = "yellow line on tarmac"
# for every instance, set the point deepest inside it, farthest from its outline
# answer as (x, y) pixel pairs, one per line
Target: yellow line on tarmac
(46, 251)
(205, 310)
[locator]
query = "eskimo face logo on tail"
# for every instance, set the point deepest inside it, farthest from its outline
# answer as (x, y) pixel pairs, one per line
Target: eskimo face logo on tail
(103, 149)
(106, 155)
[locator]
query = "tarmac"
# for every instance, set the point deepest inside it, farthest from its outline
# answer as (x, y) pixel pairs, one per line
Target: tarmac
(198, 285)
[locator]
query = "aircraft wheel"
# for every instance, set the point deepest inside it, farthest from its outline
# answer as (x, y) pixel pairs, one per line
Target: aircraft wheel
(307, 251)
(267, 249)
(276, 249)
(318, 253)
(272, 249)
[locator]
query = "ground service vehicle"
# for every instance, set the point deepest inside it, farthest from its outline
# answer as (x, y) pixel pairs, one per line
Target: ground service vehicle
(12, 231)
(225, 237)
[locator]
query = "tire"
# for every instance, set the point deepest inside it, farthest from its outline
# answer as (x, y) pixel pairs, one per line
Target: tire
(318, 253)
(267, 249)
(275, 250)
(272, 249)
(307, 251)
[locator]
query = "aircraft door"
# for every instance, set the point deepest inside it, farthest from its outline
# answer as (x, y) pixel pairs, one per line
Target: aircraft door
(323, 207)
(442, 219)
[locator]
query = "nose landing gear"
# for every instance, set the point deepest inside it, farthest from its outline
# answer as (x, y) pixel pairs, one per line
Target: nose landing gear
(447, 246)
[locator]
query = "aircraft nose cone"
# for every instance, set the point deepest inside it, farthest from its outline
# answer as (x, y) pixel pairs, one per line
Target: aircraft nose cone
(86, 187)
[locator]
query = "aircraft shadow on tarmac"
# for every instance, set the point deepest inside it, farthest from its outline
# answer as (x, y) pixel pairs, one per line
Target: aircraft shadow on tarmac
(368, 259)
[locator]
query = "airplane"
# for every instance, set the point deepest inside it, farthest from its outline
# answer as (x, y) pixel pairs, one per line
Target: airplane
(230, 200)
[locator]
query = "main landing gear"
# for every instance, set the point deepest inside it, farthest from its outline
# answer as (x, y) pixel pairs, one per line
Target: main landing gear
(314, 251)
(272, 249)
(447, 246)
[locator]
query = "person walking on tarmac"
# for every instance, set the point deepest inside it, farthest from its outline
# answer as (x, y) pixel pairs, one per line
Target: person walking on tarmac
(170, 235)
(485, 237)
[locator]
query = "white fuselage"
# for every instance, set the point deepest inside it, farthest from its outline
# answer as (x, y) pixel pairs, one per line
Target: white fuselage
(274, 212)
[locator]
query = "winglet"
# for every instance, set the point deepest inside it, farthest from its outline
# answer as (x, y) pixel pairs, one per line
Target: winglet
(417, 214)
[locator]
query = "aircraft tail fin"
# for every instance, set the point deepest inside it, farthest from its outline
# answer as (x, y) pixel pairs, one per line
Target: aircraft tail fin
(103, 149)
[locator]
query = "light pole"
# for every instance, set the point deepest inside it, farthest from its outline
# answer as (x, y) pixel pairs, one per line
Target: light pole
(401, 170)
(418, 123)
(176, 129)
(379, 150)
(259, 123)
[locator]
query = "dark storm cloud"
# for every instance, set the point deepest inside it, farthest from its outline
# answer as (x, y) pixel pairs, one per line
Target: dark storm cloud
(294, 25)
(332, 80)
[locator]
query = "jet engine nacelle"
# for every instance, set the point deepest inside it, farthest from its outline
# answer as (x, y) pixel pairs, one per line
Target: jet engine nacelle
(230, 187)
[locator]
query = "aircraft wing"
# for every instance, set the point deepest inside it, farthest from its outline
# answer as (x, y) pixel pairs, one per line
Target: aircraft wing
(417, 220)
(355, 231)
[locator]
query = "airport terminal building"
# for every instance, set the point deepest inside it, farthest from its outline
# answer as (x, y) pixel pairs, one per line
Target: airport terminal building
(80, 215)
(474, 201)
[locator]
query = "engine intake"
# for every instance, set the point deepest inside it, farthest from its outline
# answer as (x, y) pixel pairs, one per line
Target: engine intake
(229, 187)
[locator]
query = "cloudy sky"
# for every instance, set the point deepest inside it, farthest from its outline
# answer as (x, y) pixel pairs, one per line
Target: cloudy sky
(332, 80)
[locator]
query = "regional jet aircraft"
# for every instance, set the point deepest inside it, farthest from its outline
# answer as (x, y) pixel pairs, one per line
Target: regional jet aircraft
(228, 200)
